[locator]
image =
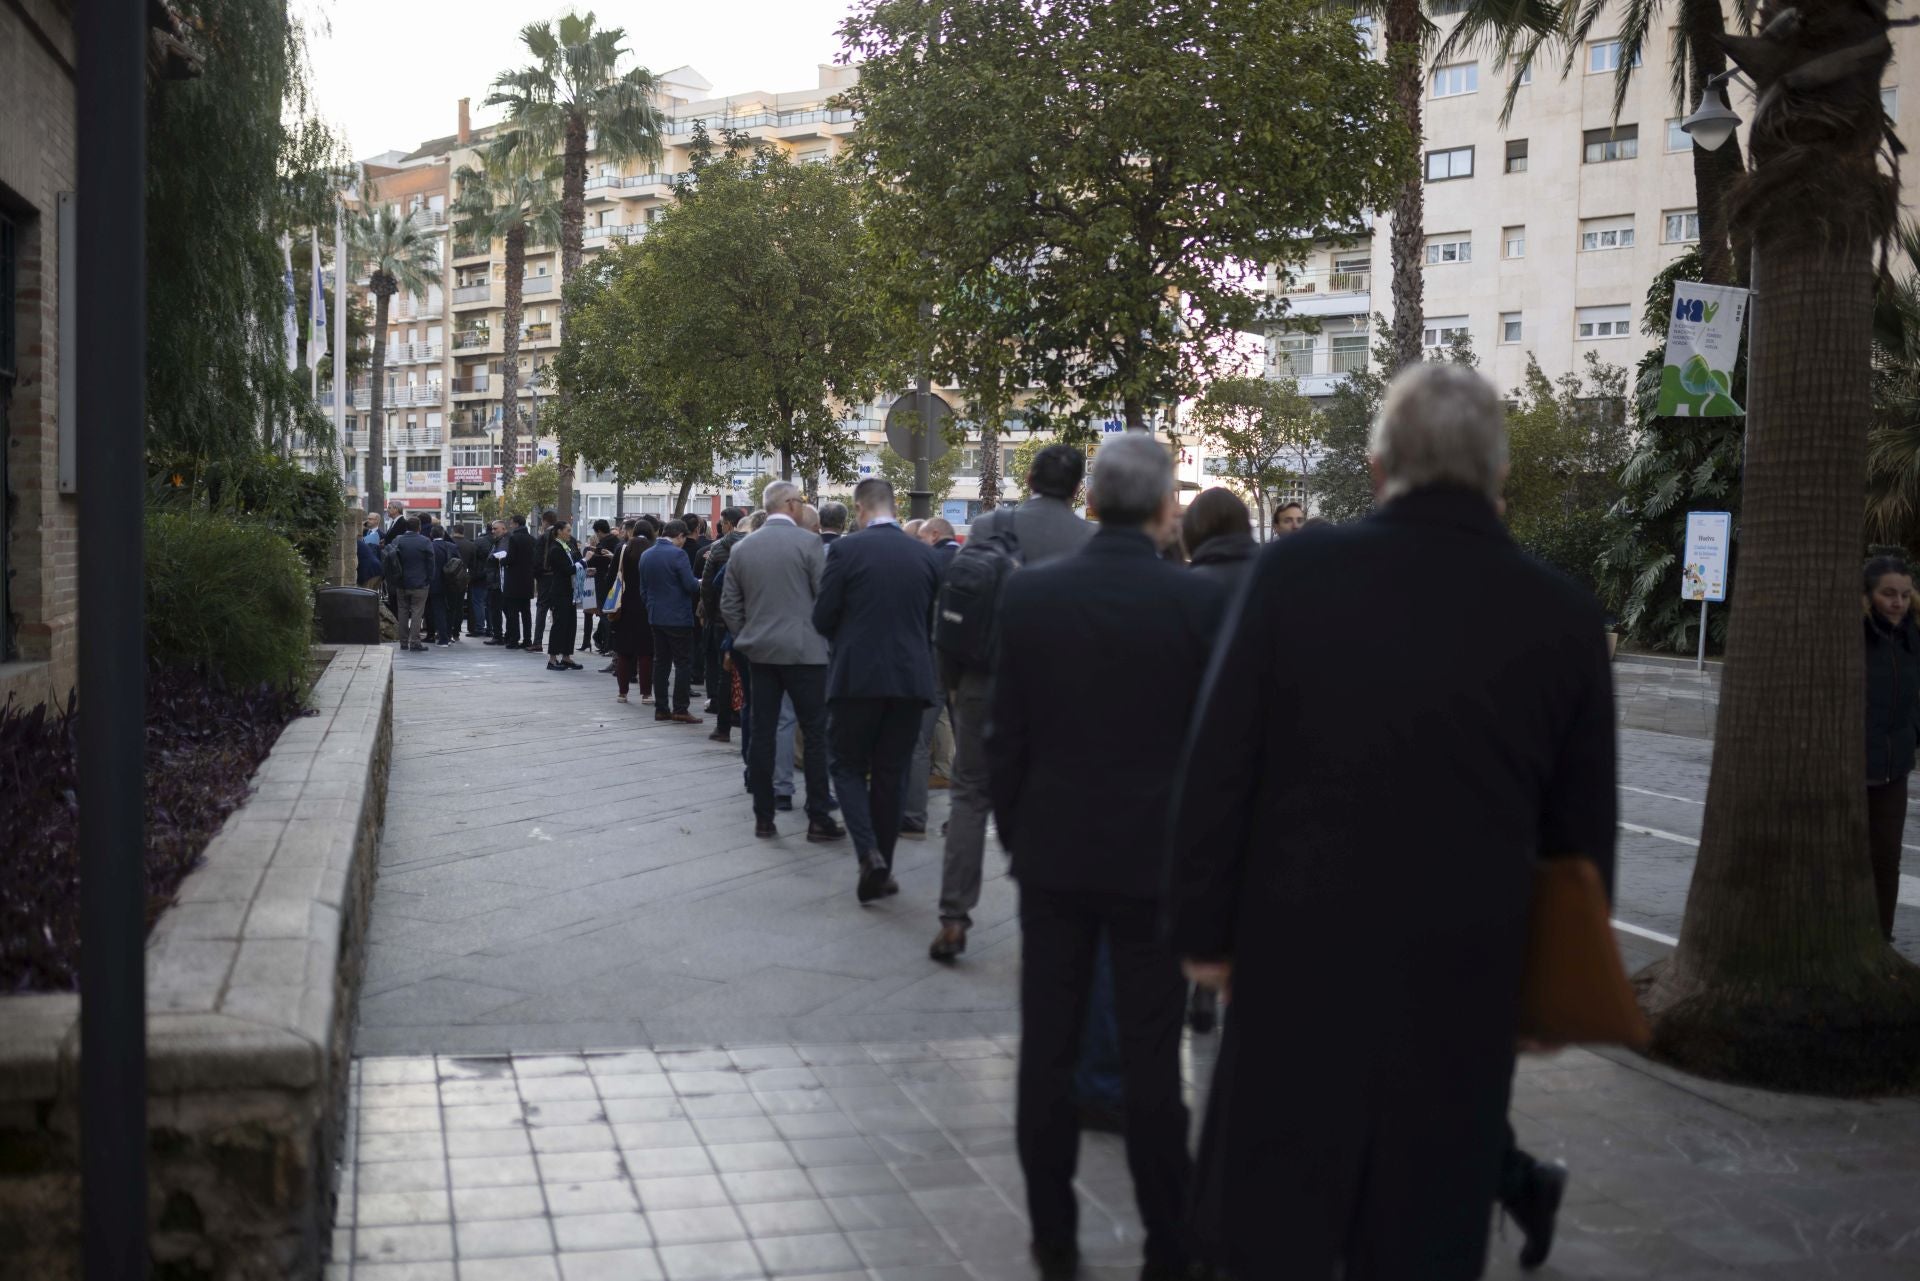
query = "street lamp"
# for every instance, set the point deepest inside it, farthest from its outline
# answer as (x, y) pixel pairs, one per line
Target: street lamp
(1714, 120)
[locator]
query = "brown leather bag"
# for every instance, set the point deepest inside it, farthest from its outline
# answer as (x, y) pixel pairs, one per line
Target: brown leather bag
(1576, 991)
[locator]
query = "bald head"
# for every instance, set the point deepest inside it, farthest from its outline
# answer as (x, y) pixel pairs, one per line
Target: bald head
(936, 530)
(809, 518)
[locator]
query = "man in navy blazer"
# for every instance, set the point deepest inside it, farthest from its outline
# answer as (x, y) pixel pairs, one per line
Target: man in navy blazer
(876, 608)
(668, 584)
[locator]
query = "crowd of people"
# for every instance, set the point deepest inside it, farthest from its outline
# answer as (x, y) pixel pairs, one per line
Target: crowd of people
(1068, 659)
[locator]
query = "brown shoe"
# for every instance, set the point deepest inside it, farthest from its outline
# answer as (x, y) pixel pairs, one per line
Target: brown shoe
(939, 783)
(688, 718)
(948, 943)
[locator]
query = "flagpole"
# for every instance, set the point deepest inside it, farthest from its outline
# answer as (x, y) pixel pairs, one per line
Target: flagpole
(313, 364)
(341, 271)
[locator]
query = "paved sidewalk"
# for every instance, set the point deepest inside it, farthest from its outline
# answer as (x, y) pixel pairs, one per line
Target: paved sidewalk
(1666, 697)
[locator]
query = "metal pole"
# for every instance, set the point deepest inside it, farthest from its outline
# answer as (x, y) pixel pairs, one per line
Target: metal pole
(342, 270)
(922, 492)
(1701, 663)
(111, 407)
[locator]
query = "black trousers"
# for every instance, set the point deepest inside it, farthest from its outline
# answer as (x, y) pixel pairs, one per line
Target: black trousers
(566, 621)
(806, 684)
(672, 646)
(496, 620)
(1886, 824)
(697, 654)
(1060, 935)
(873, 741)
(518, 613)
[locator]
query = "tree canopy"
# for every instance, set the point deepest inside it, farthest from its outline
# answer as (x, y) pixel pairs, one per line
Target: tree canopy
(1267, 432)
(1089, 190)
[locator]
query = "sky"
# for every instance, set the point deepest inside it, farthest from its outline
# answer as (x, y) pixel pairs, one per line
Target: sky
(391, 73)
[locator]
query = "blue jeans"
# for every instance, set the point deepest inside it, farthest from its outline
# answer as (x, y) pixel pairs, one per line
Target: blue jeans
(477, 607)
(1097, 1077)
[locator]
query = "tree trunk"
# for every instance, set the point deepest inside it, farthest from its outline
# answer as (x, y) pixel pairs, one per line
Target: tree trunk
(1409, 235)
(1715, 173)
(990, 458)
(1135, 411)
(1781, 977)
(376, 466)
(686, 491)
(573, 218)
(516, 267)
(786, 459)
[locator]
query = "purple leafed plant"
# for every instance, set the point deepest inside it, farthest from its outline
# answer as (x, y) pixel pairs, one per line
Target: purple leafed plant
(203, 744)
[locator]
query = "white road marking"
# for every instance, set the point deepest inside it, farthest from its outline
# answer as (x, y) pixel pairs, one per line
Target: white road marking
(1909, 885)
(1909, 891)
(1645, 933)
(1654, 831)
(1665, 796)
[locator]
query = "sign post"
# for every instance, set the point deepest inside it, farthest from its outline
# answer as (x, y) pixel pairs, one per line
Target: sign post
(1703, 567)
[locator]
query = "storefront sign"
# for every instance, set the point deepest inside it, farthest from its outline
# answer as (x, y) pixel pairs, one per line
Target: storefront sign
(470, 475)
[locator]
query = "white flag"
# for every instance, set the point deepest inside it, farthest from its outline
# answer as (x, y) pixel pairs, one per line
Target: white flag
(317, 312)
(292, 326)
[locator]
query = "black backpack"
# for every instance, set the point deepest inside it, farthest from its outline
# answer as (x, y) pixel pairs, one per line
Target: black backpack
(964, 613)
(454, 573)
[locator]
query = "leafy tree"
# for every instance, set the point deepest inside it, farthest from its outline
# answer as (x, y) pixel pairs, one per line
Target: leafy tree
(757, 312)
(577, 96)
(898, 472)
(506, 197)
(757, 488)
(397, 254)
(532, 491)
(1268, 432)
(1675, 465)
(1566, 440)
(1781, 976)
(630, 397)
(1530, 31)
(1087, 190)
(1341, 474)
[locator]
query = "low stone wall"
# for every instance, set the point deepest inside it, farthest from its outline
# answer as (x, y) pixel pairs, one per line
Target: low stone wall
(251, 982)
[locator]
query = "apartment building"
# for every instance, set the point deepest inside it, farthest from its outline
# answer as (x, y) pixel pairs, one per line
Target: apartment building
(1542, 234)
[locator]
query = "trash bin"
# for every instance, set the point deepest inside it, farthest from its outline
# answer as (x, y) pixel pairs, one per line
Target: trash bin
(348, 616)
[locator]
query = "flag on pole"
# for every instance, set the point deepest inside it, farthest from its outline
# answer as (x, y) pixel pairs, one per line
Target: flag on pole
(317, 313)
(292, 326)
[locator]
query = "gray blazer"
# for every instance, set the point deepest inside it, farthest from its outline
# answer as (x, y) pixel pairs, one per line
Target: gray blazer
(773, 576)
(1046, 527)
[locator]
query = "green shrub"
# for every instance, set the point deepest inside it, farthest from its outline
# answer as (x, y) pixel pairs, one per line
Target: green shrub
(1570, 541)
(304, 507)
(227, 597)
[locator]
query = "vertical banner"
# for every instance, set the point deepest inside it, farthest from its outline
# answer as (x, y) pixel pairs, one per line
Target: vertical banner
(1703, 565)
(1703, 342)
(291, 325)
(316, 311)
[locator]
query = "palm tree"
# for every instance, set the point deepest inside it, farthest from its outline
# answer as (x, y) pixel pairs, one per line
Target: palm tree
(508, 195)
(574, 98)
(1518, 31)
(397, 253)
(1893, 446)
(1781, 976)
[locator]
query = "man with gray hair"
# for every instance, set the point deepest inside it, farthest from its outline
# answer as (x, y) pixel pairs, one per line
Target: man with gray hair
(1081, 791)
(1404, 843)
(833, 521)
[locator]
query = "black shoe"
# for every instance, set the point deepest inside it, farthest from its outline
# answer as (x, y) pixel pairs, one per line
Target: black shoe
(556, 667)
(607, 669)
(893, 886)
(913, 831)
(782, 803)
(710, 709)
(1057, 1260)
(574, 667)
(493, 642)
(823, 829)
(1535, 1210)
(1203, 1010)
(873, 879)
(720, 736)
(764, 828)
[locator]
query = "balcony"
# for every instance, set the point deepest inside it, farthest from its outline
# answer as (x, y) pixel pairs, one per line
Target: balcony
(412, 353)
(476, 385)
(602, 183)
(411, 310)
(405, 438)
(595, 237)
(1324, 291)
(760, 120)
(475, 422)
(536, 285)
(362, 398)
(394, 397)
(538, 332)
(464, 295)
(665, 181)
(462, 250)
(472, 339)
(1319, 370)
(428, 218)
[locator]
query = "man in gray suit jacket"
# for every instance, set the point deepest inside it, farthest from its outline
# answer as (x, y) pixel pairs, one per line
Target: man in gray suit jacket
(1046, 528)
(772, 578)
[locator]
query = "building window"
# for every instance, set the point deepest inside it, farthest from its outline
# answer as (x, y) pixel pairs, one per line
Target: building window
(1602, 322)
(1445, 8)
(423, 462)
(1513, 242)
(1455, 162)
(1604, 55)
(1682, 226)
(1890, 100)
(1622, 142)
(1526, 75)
(1678, 139)
(1606, 233)
(1442, 330)
(1346, 353)
(1293, 356)
(1455, 79)
(1510, 327)
(1516, 155)
(1454, 247)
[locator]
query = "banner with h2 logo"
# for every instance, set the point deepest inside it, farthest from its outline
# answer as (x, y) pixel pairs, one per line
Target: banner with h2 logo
(1703, 341)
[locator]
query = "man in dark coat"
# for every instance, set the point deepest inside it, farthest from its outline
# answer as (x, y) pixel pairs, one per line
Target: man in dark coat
(1081, 796)
(493, 548)
(1366, 898)
(670, 588)
(517, 574)
(876, 610)
(418, 565)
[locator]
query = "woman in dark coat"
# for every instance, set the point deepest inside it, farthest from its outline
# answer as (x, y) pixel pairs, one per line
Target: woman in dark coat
(556, 587)
(632, 638)
(1893, 720)
(1218, 533)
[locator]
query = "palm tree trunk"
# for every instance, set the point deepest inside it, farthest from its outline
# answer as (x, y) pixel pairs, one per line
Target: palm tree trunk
(516, 267)
(1714, 172)
(1409, 236)
(573, 218)
(1781, 977)
(376, 466)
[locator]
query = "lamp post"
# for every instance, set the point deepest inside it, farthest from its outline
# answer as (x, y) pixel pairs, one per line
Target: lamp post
(1714, 120)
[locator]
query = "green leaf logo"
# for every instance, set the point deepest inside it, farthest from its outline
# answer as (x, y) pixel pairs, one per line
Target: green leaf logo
(1713, 309)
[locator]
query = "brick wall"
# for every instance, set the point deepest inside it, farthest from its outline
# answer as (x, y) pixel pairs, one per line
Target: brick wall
(37, 158)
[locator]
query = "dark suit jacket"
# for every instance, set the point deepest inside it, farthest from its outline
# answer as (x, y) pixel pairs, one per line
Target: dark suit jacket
(1369, 780)
(516, 572)
(1099, 656)
(943, 554)
(875, 607)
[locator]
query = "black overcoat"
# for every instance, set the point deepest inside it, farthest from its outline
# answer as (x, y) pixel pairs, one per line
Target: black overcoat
(516, 572)
(1404, 713)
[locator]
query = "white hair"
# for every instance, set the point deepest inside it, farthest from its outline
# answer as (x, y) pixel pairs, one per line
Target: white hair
(1442, 424)
(779, 494)
(1132, 476)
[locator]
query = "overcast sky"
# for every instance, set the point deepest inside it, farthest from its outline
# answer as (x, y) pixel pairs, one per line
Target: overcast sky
(391, 73)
